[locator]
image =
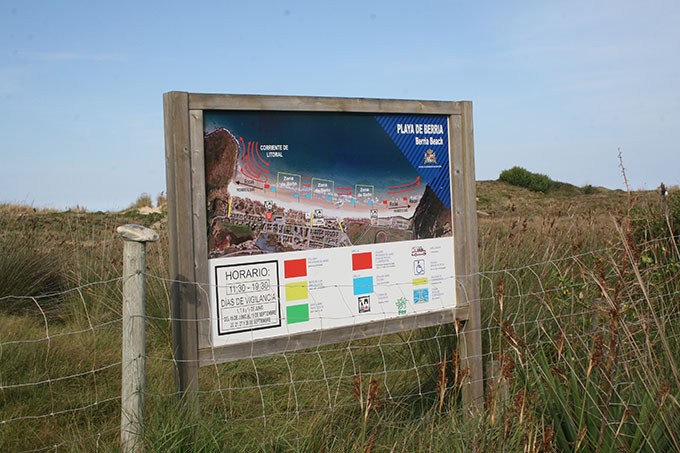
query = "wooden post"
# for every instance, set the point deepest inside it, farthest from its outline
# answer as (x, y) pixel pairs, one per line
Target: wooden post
(181, 245)
(134, 334)
(471, 351)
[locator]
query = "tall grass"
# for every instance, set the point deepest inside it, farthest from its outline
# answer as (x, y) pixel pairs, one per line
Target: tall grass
(35, 274)
(580, 331)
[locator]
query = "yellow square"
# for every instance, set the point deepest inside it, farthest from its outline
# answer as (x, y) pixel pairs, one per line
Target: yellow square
(296, 291)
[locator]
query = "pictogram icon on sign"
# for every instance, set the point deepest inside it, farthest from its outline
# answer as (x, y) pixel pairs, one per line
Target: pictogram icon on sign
(364, 304)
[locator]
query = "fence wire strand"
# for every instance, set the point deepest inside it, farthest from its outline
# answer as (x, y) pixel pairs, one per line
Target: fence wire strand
(557, 310)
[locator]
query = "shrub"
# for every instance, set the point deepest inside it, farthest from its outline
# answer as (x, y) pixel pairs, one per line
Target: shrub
(588, 189)
(142, 201)
(518, 176)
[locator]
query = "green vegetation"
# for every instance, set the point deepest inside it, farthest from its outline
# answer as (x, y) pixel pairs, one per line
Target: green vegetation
(518, 176)
(239, 230)
(655, 220)
(581, 345)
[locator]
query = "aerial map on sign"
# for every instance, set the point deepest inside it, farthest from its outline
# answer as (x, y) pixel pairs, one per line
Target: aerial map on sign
(284, 181)
(319, 220)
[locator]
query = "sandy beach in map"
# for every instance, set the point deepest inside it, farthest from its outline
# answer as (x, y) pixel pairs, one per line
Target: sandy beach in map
(286, 199)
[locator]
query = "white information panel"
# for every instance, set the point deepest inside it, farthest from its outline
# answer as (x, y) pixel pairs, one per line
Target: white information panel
(261, 297)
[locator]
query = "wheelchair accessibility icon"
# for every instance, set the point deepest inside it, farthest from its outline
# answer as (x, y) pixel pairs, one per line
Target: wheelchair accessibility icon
(419, 267)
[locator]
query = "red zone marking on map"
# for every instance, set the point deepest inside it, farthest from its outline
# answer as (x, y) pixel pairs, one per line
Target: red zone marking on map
(251, 169)
(249, 164)
(344, 190)
(409, 186)
(255, 160)
(248, 175)
(258, 155)
(244, 164)
(250, 159)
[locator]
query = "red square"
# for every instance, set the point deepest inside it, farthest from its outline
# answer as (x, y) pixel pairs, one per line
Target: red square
(362, 261)
(266, 186)
(405, 198)
(295, 268)
(384, 201)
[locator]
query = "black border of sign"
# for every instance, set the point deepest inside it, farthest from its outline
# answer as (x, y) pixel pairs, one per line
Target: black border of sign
(217, 298)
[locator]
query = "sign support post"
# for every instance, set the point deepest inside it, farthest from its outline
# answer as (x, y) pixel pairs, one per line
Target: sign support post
(181, 231)
(471, 350)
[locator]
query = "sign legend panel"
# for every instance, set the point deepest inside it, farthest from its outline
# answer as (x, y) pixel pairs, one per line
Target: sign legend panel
(247, 296)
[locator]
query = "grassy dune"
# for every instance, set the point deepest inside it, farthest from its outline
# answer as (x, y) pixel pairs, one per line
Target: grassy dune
(580, 300)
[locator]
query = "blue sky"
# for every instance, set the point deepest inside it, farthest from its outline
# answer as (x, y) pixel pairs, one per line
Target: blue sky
(557, 87)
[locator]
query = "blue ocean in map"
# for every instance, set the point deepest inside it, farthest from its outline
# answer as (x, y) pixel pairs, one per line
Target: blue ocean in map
(349, 149)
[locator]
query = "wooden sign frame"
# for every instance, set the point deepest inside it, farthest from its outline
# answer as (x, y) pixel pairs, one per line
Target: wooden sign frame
(185, 172)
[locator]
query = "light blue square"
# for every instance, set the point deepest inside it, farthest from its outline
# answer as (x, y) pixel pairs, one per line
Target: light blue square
(363, 285)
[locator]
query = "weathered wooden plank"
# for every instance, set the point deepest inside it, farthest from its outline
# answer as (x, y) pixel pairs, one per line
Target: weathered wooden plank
(201, 267)
(472, 329)
(457, 207)
(319, 104)
(180, 233)
(264, 347)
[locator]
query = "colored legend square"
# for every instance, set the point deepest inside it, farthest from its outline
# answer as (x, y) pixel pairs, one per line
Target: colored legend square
(420, 281)
(363, 285)
(361, 261)
(295, 268)
(296, 291)
(297, 313)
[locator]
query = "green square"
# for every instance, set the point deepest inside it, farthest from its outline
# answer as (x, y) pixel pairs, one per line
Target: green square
(297, 313)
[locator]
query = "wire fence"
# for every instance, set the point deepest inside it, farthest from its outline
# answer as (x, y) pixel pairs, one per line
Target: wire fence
(591, 335)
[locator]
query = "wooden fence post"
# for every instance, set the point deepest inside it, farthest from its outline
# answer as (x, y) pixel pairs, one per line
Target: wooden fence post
(134, 334)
